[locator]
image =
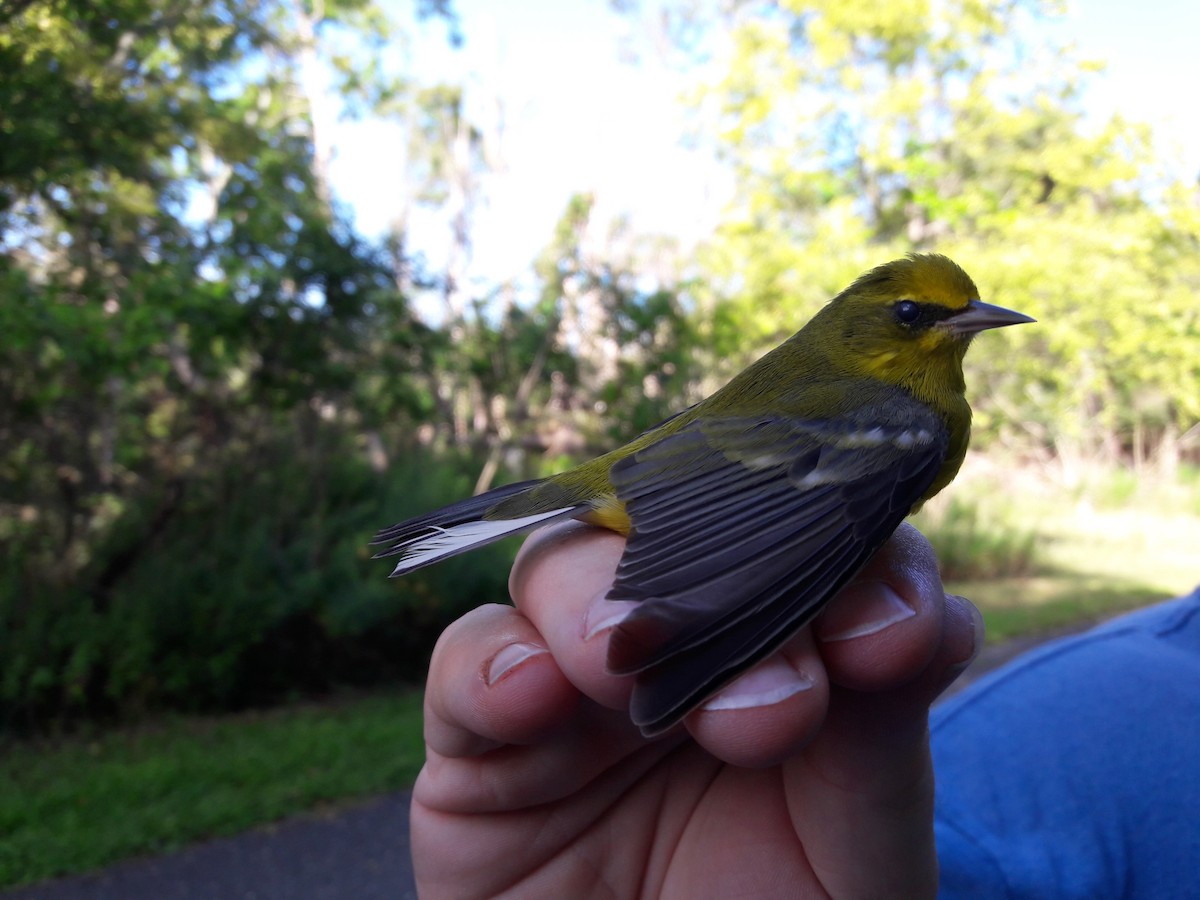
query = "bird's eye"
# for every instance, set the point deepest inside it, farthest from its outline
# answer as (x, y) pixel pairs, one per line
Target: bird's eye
(907, 311)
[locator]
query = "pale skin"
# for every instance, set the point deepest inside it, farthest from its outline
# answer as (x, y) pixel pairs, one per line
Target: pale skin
(808, 777)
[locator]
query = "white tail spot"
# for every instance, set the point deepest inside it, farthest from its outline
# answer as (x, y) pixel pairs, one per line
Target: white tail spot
(460, 538)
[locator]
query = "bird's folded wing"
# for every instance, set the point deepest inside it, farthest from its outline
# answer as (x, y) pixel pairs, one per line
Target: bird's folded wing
(743, 527)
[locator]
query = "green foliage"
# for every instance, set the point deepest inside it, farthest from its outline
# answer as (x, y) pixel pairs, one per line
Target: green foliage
(185, 311)
(73, 805)
(858, 131)
(215, 390)
(248, 588)
(200, 357)
(1042, 555)
(594, 357)
(972, 543)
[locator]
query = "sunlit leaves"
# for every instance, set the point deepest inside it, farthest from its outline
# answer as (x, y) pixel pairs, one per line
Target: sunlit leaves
(860, 130)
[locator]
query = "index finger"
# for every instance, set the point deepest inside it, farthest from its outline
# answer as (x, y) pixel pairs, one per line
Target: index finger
(560, 581)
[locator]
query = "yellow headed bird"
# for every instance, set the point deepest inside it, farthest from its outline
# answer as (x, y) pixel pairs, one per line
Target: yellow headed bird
(747, 512)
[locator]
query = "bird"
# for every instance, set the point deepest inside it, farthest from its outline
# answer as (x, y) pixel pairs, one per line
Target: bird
(745, 513)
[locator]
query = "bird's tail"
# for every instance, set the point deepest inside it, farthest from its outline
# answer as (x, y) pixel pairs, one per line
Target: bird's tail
(460, 527)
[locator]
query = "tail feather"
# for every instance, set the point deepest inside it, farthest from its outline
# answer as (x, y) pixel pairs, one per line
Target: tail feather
(467, 510)
(460, 527)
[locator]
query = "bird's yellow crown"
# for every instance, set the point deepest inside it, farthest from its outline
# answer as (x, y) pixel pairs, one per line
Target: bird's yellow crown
(923, 277)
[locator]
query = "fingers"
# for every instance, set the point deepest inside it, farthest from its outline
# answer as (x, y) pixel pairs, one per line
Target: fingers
(962, 640)
(560, 581)
(504, 676)
(887, 625)
(511, 725)
(885, 678)
(504, 729)
(505, 726)
(866, 781)
(890, 627)
(770, 713)
(492, 681)
(885, 629)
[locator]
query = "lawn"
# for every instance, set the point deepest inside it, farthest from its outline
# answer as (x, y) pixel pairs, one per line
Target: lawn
(78, 804)
(1038, 557)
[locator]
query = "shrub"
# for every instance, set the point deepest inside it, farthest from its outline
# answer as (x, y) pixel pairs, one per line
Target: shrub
(257, 586)
(972, 543)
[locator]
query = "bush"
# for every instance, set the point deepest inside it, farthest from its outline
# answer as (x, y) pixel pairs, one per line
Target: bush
(241, 590)
(972, 543)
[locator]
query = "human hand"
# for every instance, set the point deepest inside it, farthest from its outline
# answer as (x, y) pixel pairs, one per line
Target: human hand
(809, 776)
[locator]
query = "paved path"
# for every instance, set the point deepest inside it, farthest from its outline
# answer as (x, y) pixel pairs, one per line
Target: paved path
(352, 853)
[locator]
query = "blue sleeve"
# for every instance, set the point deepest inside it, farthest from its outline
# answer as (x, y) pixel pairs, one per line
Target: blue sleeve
(1075, 771)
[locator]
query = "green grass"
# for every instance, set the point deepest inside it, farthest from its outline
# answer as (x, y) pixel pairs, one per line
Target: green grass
(975, 540)
(1047, 604)
(1037, 556)
(81, 803)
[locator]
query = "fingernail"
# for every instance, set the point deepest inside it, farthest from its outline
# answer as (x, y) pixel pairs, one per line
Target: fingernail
(864, 608)
(603, 614)
(509, 658)
(770, 682)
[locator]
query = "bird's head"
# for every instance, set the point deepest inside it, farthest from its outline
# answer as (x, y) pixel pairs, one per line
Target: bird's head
(909, 321)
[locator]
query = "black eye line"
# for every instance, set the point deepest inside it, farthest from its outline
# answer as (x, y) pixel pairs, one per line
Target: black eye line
(927, 313)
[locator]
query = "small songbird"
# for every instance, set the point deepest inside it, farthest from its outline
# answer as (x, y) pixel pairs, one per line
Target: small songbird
(747, 512)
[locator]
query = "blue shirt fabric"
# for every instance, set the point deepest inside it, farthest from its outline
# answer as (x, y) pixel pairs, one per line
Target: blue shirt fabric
(1075, 771)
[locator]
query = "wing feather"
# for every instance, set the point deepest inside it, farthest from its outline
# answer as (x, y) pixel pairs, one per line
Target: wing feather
(709, 533)
(743, 528)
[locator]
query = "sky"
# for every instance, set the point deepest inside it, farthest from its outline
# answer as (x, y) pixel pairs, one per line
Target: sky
(571, 112)
(579, 118)
(1153, 67)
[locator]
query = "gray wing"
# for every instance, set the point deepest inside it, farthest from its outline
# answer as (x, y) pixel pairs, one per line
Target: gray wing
(742, 529)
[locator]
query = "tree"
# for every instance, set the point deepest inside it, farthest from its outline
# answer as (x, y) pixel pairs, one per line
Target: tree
(205, 369)
(588, 357)
(858, 131)
(182, 300)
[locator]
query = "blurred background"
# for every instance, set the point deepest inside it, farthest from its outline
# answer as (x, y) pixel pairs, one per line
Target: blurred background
(275, 274)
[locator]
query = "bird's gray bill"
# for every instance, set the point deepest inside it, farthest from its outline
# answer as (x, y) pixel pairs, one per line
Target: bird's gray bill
(980, 316)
